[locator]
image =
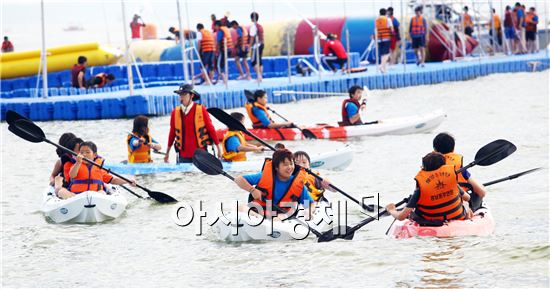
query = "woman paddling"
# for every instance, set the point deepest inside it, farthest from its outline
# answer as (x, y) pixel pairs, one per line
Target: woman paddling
(140, 142)
(280, 182)
(234, 144)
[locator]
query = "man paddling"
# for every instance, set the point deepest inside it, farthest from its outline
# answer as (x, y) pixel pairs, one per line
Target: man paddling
(351, 106)
(190, 127)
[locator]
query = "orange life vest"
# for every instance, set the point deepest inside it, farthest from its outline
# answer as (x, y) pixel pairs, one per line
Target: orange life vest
(267, 183)
(207, 41)
(142, 154)
(201, 133)
(439, 195)
(256, 123)
(90, 178)
(383, 31)
(226, 38)
(314, 192)
(530, 25)
(467, 20)
(243, 40)
(417, 26)
(496, 22)
(456, 161)
(233, 156)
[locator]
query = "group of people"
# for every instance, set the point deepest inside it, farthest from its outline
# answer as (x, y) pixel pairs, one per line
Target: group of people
(520, 29)
(78, 76)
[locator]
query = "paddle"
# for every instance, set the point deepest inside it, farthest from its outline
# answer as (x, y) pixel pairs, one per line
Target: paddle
(29, 131)
(154, 151)
(350, 232)
(12, 116)
(211, 165)
(234, 124)
(511, 177)
(307, 133)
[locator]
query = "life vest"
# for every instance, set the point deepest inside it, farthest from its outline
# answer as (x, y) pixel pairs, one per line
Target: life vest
(201, 133)
(233, 156)
(267, 183)
(103, 77)
(456, 161)
(417, 26)
(256, 123)
(207, 41)
(496, 22)
(345, 116)
(77, 68)
(439, 196)
(383, 31)
(140, 155)
(467, 20)
(226, 37)
(242, 41)
(314, 192)
(530, 24)
(259, 33)
(90, 178)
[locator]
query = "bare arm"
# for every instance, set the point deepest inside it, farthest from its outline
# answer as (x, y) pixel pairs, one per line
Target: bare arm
(355, 118)
(81, 79)
(56, 170)
(399, 215)
(74, 169)
(478, 188)
(243, 184)
(280, 125)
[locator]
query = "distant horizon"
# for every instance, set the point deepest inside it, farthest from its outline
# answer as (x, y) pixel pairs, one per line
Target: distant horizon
(102, 21)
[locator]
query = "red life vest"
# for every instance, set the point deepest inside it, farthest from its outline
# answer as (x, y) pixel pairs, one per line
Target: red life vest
(207, 41)
(256, 123)
(90, 178)
(439, 195)
(345, 117)
(383, 31)
(417, 26)
(259, 33)
(267, 184)
(77, 68)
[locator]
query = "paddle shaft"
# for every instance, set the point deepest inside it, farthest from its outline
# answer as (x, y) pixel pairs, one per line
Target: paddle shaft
(370, 219)
(155, 151)
(309, 134)
(511, 177)
(131, 192)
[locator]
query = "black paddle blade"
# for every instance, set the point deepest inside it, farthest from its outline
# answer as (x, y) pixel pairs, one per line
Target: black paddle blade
(494, 152)
(161, 197)
(308, 134)
(249, 95)
(207, 163)
(12, 116)
(330, 236)
(227, 119)
(27, 130)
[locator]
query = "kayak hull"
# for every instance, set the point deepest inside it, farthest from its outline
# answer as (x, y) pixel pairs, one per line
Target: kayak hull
(334, 160)
(394, 126)
(482, 224)
(86, 208)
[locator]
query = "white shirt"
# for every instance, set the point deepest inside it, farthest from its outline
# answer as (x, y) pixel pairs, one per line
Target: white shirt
(186, 110)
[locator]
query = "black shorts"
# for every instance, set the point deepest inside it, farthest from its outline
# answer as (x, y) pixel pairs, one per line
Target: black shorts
(531, 35)
(253, 57)
(207, 59)
(418, 42)
(384, 47)
(468, 31)
(242, 53)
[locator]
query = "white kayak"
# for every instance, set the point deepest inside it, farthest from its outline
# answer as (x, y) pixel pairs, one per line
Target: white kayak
(243, 228)
(334, 160)
(86, 207)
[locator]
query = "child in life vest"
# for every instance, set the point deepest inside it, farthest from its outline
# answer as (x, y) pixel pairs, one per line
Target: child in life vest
(315, 187)
(234, 144)
(140, 142)
(87, 177)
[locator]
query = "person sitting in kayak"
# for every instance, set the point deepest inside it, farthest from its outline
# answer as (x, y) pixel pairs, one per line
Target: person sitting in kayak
(315, 187)
(444, 144)
(351, 107)
(234, 144)
(87, 177)
(259, 114)
(66, 140)
(281, 182)
(438, 197)
(140, 142)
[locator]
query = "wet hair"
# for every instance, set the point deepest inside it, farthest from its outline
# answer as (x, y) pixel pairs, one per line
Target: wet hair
(111, 76)
(89, 144)
(217, 23)
(237, 115)
(279, 146)
(82, 59)
(234, 23)
(200, 26)
(63, 141)
(382, 11)
(302, 154)
(141, 125)
(444, 143)
(352, 90)
(259, 93)
(254, 16)
(280, 156)
(432, 161)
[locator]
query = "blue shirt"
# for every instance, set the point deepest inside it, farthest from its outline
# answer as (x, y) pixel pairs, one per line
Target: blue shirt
(280, 188)
(133, 148)
(232, 144)
(261, 115)
(351, 109)
(240, 31)
(220, 35)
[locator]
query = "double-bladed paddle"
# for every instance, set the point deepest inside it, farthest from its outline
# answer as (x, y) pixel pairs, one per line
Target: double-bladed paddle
(307, 133)
(234, 124)
(28, 130)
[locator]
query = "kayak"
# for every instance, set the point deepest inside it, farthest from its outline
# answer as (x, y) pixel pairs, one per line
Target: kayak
(243, 228)
(86, 207)
(392, 126)
(482, 224)
(334, 160)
